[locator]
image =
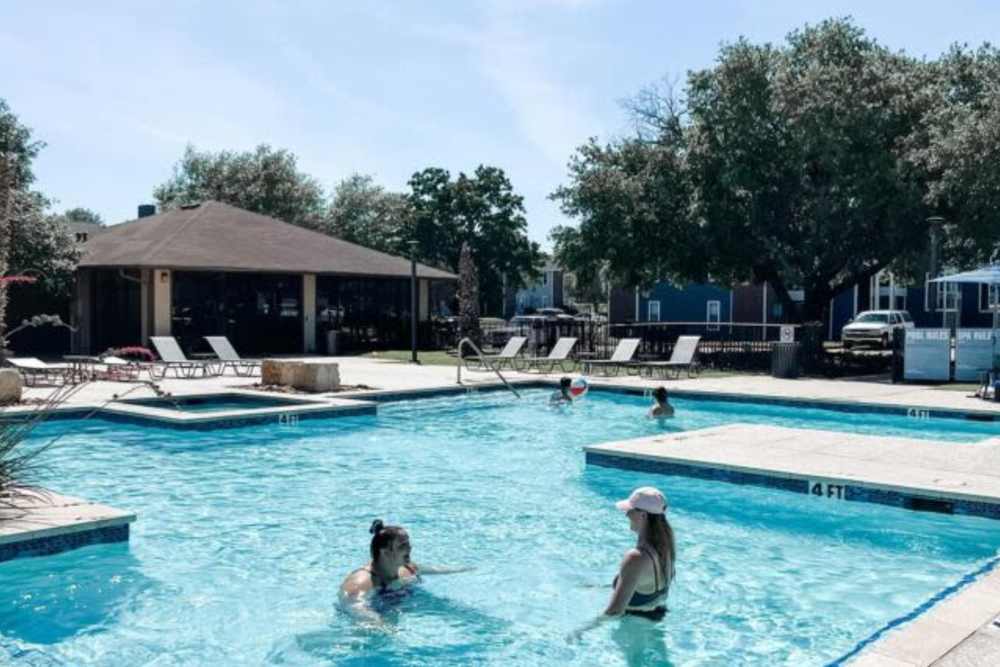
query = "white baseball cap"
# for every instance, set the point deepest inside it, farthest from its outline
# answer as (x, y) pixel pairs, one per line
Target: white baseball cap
(645, 498)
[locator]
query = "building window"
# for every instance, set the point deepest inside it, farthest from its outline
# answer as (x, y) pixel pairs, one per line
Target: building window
(81, 237)
(653, 311)
(989, 298)
(947, 297)
(545, 277)
(713, 312)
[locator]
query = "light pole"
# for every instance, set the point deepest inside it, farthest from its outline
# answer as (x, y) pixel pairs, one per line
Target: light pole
(413, 302)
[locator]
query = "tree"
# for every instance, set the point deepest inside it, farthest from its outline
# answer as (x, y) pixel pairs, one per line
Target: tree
(84, 215)
(482, 211)
(365, 213)
(787, 165)
(468, 295)
(264, 180)
(960, 154)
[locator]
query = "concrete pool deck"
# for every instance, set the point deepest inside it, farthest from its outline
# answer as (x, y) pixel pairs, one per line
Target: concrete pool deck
(46, 522)
(956, 631)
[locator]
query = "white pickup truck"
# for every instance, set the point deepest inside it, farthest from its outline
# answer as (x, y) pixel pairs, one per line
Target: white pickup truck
(874, 327)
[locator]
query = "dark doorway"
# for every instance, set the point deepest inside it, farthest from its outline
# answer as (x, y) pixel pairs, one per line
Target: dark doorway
(260, 313)
(116, 310)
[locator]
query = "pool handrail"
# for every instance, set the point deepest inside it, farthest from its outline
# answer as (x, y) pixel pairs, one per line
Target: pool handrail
(483, 361)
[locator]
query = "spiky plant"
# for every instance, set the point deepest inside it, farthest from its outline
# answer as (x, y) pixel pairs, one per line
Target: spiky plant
(20, 463)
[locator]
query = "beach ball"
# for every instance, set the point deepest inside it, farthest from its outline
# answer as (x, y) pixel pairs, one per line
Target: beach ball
(578, 388)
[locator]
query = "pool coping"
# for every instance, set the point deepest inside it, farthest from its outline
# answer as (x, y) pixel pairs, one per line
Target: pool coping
(51, 523)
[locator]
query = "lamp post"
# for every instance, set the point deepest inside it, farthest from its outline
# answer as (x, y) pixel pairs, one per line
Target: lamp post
(413, 301)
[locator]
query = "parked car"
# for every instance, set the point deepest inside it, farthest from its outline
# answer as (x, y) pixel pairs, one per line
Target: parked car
(875, 328)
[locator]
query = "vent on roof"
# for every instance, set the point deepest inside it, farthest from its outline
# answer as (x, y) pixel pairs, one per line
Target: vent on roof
(190, 206)
(146, 210)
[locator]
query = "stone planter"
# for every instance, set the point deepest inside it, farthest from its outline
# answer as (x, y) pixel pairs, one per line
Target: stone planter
(11, 386)
(306, 375)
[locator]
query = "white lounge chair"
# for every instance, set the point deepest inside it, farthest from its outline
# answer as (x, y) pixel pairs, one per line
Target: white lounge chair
(229, 358)
(621, 357)
(558, 355)
(173, 359)
(682, 358)
(506, 356)
(33, 369)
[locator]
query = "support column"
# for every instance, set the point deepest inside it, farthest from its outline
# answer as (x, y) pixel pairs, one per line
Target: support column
(146, 314)
(162, 301)
(80, 318)
(425, 300)
(308, 313)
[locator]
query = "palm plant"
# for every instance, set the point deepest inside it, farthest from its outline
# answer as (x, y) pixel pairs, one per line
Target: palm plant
(20, 463)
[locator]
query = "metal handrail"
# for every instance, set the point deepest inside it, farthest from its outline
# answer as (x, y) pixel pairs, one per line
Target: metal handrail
(482, 360)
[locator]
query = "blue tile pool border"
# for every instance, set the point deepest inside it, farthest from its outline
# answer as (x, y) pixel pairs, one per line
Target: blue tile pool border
(916, 612)
(852, 492)
(54, 544)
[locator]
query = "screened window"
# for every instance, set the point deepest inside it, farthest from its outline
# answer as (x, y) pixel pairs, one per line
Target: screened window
(653, 311)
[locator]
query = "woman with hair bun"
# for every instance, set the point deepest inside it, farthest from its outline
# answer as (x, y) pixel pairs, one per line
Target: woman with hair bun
(390, 567)
(389, 571)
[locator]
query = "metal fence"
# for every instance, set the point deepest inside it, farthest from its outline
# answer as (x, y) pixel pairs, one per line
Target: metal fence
(729, 345)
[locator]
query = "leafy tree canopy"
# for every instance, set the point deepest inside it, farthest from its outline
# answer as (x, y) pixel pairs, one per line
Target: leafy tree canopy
(83, 215)
(264, 180)
(813, 164)
(366, 213)
(482, 210)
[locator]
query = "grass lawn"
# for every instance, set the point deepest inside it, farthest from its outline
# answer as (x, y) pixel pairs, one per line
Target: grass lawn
(435, 358)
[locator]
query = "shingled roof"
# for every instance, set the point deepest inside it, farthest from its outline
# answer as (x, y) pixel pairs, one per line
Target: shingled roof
(213, 236)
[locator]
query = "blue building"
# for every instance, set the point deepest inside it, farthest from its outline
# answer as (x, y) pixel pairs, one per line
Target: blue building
(665, 302)
(546, 292)
(932, 305)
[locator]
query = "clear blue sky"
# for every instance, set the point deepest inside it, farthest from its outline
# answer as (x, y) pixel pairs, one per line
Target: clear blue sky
(117, 89)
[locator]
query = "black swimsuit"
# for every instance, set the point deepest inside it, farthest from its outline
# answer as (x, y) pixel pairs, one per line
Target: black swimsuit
(644, 599)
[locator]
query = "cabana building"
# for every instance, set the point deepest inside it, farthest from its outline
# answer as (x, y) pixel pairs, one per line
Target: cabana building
(271, 287)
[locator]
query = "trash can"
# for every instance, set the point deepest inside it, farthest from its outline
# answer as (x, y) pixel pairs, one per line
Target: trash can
(785, 360)
(331, 342)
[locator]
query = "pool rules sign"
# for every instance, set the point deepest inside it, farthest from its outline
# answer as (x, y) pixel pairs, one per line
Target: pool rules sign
(927, 355)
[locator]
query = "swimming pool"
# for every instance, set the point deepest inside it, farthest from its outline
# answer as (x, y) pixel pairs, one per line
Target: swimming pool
(244, 535)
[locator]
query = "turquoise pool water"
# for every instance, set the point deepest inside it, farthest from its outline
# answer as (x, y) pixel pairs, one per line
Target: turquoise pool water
(216, 403)
(245, 534)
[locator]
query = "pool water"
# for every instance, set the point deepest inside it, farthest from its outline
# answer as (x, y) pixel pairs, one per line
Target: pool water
(245, 534)
(216, 403)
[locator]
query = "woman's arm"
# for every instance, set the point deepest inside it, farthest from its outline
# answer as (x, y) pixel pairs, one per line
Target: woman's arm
(438, 569)
(628, 579)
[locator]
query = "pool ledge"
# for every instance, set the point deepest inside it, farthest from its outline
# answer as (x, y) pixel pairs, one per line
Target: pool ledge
(916, 474)
(961, 628)
(50, 523)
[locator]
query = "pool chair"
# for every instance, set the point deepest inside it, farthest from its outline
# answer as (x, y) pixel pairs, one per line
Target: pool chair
(229, 358)
(558, 355)
(121, 370)
(620, 358)
(34, 369)
(683, 358)
(173, 359)
(507, 356)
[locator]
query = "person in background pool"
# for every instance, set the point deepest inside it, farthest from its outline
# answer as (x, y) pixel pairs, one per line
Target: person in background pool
(562, 396)
(661, 408)
(646, 572)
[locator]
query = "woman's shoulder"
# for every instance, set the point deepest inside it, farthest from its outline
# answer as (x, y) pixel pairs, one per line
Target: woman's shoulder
(357, 582)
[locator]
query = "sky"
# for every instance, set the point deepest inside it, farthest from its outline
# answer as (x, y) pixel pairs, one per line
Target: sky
(118, 89)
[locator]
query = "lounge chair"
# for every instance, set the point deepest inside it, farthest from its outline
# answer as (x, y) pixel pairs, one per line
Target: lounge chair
(681, 359)
(116, 368)
(229, 358)
(507, 355)
(173, 359)
(558, 355)
(33, 369)
(620, 358)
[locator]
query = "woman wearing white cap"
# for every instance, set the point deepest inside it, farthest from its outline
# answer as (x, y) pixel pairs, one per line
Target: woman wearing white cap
(646, 571)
